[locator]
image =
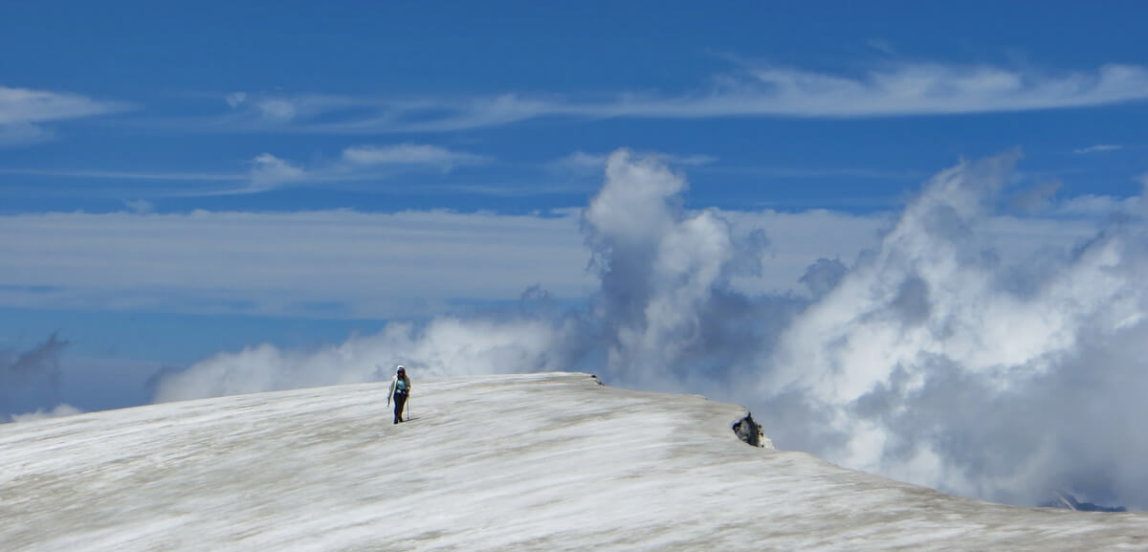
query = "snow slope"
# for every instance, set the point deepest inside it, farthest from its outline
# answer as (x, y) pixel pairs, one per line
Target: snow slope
(522, 462)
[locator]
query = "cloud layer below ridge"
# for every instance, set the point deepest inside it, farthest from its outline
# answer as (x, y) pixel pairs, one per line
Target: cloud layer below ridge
(957, 351)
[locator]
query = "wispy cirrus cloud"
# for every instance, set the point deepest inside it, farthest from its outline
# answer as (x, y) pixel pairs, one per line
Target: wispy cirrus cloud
(893, 90)
(581, 163)
(367, 162)
(23, 112)
(410, 155)
(23, 134)
(256, 110)
(267, 172)
(99, 174)
(920, 89)
(1099, 148)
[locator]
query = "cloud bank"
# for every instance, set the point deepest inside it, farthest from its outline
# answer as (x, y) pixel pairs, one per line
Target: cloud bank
(945, 355)
(341, 264)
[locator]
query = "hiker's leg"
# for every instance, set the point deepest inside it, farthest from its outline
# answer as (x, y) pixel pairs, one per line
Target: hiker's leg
(400, 402)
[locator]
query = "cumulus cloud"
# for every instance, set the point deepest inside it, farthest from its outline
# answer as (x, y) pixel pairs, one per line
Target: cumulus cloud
(664, 284)
(445, 346)
(938, 360)
(664, 272)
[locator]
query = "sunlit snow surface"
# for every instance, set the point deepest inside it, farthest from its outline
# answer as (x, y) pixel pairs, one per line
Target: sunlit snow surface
(524, 462)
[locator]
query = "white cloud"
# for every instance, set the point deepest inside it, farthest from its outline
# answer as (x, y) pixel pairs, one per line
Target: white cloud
(907, 89)
(21, 105)
(356, 163)
(22, 112)
(892, 90)
(410, 154)
(268, 171)
(437, 116)
(580, 163)
(24, 134)
(583, 164)
(1099, 206)
(276, 110)
(446, 346)
(1099, 148)
(945, 360)
(129, 175)
(57, 412)
(235, 99)
(141, 206)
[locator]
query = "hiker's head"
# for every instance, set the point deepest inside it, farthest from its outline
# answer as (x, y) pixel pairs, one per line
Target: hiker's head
(402, 371)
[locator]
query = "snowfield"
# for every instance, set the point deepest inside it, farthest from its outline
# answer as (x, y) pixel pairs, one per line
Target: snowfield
(521, 462)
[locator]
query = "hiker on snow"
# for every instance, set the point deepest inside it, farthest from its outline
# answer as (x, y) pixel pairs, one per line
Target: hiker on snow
(400, 390)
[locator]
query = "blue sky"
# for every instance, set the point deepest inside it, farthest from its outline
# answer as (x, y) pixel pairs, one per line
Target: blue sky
(176, 106)
(177, 181)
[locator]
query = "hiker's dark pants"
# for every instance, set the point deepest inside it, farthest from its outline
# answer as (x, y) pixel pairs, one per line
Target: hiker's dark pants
(400, 401)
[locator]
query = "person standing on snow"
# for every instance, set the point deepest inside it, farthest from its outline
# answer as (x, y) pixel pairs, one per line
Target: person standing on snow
(400, 390)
